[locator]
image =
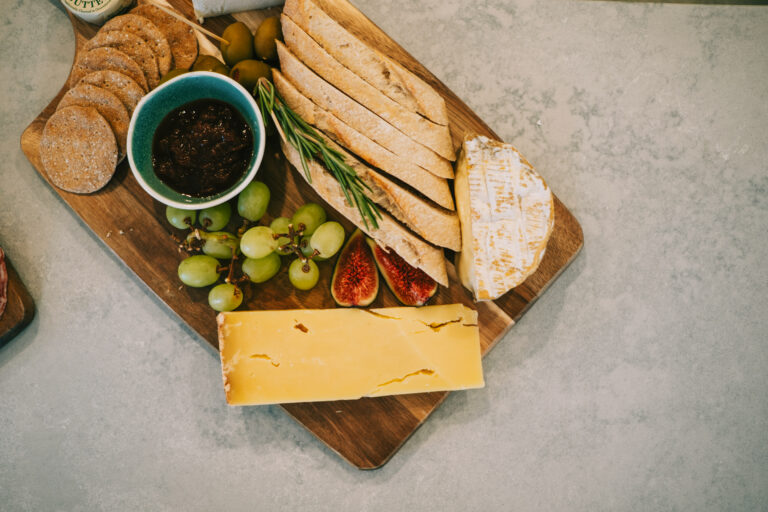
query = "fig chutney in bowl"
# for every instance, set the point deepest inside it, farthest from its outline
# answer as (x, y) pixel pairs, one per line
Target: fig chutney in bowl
(196, 141)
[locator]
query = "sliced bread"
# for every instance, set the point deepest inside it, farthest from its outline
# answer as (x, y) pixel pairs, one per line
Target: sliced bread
(378, 70)
(433, 223)
(425, 182)
(357, 116)
(436, 137)
(390, 233)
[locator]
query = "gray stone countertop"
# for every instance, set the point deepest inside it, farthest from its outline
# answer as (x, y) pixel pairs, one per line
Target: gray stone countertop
(638, 382)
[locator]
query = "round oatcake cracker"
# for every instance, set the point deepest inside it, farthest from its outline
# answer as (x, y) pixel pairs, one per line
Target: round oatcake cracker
(107, 58)
(148, 31)
(180, 36)
(122, 86)
(78, 150)
(131, 45)
(106, 104)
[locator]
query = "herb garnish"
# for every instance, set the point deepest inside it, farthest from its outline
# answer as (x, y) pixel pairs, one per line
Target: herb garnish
(310, 145)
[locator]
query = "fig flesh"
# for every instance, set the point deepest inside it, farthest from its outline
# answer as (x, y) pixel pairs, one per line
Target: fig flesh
(411, 286)
(355, 279)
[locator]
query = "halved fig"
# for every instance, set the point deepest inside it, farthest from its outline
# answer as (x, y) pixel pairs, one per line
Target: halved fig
(411, 286)
(355, 279)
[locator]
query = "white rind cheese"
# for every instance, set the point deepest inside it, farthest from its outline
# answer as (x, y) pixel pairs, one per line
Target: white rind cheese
(507, 214)
(210, 8)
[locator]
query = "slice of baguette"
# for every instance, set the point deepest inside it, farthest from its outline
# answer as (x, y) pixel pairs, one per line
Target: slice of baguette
(435, 136)
(433, 223)
(378, 70)
(425, 182)
(411, 248)
(357, 116)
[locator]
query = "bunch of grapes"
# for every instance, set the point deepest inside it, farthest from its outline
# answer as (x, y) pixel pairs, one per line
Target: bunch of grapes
(306, 235)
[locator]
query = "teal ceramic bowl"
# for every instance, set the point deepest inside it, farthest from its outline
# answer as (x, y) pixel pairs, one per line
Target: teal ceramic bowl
(176, 92)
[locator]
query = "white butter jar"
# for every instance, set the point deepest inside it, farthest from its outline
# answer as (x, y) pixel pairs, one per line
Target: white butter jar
(96, 11)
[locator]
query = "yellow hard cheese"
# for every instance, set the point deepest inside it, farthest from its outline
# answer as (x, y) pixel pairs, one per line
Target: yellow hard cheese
(308, 355)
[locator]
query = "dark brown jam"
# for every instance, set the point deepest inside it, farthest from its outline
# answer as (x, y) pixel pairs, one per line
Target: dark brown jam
(202, 148)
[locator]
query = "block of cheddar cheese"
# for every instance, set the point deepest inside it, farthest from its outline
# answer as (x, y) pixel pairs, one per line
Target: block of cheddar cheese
(270, 357)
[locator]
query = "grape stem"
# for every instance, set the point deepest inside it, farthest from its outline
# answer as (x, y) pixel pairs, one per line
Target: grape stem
(231, 272)
(242, 229)
(294, 245)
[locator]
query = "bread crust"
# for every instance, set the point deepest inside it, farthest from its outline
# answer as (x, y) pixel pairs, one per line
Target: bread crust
(378, 70)
(411, 248)
(358, 117)
(431, 186)
(434, 224)
(434, 136)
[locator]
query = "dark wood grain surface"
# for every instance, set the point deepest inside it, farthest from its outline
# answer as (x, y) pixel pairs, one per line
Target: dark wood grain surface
(365, 432)
(20, 308)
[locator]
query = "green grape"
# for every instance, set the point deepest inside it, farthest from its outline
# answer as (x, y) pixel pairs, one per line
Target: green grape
(225, 297)
(258, 242)
(262, 269)
(199, 270)
(215, 217)
(253, 200)
(311, 215)
(300, 279)
(218, 244)
(279, 226)
(178, 218)
(328, 239)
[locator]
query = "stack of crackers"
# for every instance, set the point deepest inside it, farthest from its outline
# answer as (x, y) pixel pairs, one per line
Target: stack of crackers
(85, 138)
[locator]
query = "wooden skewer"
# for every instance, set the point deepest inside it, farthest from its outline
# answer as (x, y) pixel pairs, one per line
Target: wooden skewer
(192, 24)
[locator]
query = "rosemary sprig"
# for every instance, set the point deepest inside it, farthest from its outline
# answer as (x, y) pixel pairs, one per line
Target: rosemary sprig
(311, 146)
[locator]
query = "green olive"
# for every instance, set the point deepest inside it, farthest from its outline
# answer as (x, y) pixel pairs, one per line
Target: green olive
(172, 74)
(210, 63)
(264, 41)
(248, 72)
(240, 45)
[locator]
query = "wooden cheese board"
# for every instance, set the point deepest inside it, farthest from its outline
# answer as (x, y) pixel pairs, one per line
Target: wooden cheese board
(20, 308)
(365, 432)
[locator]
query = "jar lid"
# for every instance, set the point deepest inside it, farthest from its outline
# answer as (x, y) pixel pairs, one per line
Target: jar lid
(95, 11)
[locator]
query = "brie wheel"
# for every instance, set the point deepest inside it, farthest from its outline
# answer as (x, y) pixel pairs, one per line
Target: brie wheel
(507, 214)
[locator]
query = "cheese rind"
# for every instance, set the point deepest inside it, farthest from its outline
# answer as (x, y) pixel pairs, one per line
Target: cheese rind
(286, 356)
(507, 215)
